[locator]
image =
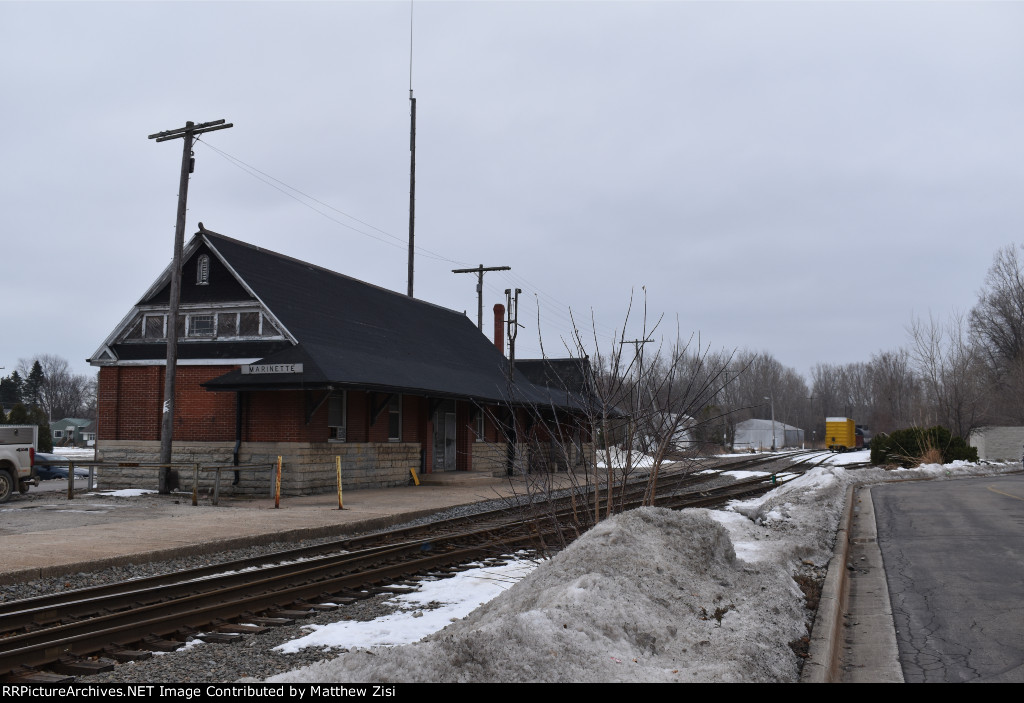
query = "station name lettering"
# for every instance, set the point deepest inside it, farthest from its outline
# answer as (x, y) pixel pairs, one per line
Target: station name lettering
(271, 368)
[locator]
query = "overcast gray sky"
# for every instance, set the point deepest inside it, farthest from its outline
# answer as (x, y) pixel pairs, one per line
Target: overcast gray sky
(794, 177)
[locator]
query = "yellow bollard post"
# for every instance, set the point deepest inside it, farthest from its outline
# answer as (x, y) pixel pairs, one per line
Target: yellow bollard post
(341, 505)
(277, 485)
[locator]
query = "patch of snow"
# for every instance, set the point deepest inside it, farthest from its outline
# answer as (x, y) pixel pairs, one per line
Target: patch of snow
(619, 456)
(125, 492)
(740, 475)
(431, 608)
(858, 457)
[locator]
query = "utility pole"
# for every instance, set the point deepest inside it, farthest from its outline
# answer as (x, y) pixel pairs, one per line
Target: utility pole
(187, 134)
(512, 305)
(638, 345)
(480, 271)
(772, 399)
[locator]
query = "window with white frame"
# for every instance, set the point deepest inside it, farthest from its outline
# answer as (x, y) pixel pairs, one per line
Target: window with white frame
(237, 323)
(395, 418)
(337, 417)
(202, 325)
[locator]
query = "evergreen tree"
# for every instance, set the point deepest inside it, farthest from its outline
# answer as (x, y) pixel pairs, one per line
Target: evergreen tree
(11, 390)
(32, 391)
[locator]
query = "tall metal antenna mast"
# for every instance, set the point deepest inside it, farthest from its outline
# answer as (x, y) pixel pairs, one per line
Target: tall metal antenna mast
(412, 189)
(412, 162)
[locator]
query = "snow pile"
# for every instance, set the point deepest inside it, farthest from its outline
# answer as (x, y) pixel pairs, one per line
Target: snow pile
(803, 514)
(649, 595)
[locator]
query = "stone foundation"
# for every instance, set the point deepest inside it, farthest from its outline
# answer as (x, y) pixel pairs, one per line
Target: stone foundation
(307, 468)
(491, 457)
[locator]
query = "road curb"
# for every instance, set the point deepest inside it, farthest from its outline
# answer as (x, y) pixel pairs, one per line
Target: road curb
(822, 664)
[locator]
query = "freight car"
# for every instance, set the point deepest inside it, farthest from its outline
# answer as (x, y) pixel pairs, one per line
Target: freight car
(840, 434)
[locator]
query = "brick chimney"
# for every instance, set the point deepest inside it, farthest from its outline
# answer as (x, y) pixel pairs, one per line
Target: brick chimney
(499, 327)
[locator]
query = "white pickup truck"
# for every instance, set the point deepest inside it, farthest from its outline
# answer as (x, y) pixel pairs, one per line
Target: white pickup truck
(17, 456)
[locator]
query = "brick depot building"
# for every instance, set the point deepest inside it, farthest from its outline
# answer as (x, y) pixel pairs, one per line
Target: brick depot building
(279, 357)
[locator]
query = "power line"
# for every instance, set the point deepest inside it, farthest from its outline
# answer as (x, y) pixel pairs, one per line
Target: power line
(553, 311)
(298, 195)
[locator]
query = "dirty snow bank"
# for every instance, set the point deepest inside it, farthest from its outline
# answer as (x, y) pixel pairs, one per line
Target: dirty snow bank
(649, 595)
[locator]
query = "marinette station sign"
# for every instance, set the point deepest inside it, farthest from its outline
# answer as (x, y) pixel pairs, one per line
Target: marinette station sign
(252, 369)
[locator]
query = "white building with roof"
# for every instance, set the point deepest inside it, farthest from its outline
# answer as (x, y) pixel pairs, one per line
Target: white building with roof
(764, 434)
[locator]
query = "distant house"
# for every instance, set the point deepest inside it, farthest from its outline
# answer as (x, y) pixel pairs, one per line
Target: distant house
(280, 357)
(73, 432)
(764, 434)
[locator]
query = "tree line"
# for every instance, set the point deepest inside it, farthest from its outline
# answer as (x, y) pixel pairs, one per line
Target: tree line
(47, 383)
(963, 373)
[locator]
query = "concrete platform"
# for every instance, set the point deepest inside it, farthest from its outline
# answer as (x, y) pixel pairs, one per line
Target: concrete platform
(45, 534)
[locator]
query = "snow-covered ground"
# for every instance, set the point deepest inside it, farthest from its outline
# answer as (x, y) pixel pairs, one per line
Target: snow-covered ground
(76, 454)
(651, 595)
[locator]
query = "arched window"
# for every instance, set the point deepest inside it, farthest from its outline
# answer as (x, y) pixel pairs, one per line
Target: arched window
(203, 270)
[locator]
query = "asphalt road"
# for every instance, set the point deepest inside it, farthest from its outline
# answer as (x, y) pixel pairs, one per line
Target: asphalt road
(954, 560)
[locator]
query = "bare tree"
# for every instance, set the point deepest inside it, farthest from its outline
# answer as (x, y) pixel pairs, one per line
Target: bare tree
(952, 373)
(997, 326)
(644, 399)
(895, 391)
(997, 321)
(62, 392)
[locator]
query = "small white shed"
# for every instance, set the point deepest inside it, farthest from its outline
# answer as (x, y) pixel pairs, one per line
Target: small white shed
(758, 435)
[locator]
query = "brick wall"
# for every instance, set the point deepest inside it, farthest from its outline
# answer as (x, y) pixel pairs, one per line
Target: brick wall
(130, 399)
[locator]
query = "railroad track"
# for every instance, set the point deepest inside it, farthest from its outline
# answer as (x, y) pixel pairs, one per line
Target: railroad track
(51, 637)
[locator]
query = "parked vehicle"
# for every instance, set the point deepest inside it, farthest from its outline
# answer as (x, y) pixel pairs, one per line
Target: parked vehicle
(17, 455)
(50, 466)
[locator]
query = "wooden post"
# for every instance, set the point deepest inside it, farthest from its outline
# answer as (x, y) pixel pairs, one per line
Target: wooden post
(195, 484)
(277, 485)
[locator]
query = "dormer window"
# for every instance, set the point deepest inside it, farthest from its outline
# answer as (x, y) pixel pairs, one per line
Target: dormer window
(201, 325)
(203, 270)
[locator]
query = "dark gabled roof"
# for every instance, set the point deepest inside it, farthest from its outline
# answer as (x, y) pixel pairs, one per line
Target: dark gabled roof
(566, 382)
(567, 374)
(354, 334)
